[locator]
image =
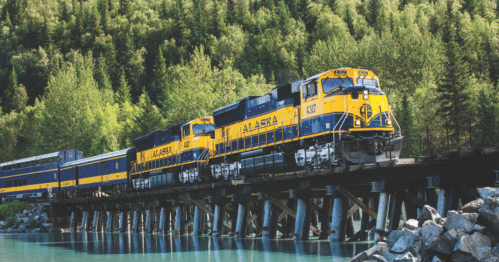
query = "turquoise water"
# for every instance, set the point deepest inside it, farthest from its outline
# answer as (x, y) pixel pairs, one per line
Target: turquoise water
(139, 247)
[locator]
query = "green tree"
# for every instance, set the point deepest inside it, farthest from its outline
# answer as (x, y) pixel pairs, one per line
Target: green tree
(101, 74)
(46, 35)
(149, 118)
(160, 73)
(9, 91)
(123, 93)
(217, 23)
(349, 19)
(95, 26)
(103, 7)
(406, 122)
(71, 101)
(19, 99)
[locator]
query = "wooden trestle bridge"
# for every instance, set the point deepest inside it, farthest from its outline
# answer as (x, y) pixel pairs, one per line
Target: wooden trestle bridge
(301, 205)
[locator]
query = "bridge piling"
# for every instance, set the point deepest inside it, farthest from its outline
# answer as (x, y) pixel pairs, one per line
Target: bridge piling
(270, 221)
(242, 219)
(197, 229)
(373, 205)
(302, 222)
(123, 222)
(338, 222)
(72, 225)
(421, 195)
(110, 221)
(149, 220)
(395, 210)
(235, 210)
(180, 221)
(97, 221)
(164, 221)
(218, 217)
(84, 221)
(135, 221)
(444, 201)
(381, 220)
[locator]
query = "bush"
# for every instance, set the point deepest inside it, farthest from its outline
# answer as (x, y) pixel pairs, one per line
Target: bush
(13, 208)
(10, 223)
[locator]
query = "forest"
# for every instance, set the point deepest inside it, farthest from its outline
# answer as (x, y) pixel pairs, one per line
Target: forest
(93, 75)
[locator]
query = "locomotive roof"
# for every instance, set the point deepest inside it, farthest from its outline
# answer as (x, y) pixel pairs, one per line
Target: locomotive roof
(96, 158)
(33, 158)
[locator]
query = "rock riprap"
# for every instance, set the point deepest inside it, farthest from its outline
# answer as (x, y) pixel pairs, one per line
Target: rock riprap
(468, 235)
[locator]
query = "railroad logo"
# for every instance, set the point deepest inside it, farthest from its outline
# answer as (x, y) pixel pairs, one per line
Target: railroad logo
(116, 165)
(269, 121)
(366, 108)
(55, 176)
(160, 152)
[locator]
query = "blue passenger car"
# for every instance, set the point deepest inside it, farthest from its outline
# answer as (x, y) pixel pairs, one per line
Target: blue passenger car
(97, 171)
(34, 176)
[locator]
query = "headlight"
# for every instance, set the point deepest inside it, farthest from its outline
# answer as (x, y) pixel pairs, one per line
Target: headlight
(366, 97)
(366, 92)
(357, 122)
(388, 122)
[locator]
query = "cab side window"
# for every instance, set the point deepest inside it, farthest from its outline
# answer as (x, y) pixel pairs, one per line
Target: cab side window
(186, 131)
(310, 90)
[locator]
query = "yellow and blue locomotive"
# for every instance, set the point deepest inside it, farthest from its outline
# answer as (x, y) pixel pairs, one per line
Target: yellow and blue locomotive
(176, 155)
(337, 117)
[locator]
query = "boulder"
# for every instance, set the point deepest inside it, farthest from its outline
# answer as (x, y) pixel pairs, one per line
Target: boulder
(479, 228)
(489, 214)
(37, 217)
(393, 237)
(27, 220)
(411, 224)
(10, 231)
(44, 218)
(431, 231)
(470, 244)
(22, 228)
(461, 221)
(390, 257)
(407, 257)
(405, 242)
(25, 213)
(437, 259)
(483, 253)
(36, 230)
(378, 258)
(462, 257)
(445, 244)
(486, 192)
(428, 213)
(381, 248)
(473, 206)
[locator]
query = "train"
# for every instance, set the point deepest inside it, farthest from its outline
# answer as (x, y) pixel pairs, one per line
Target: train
(336, 118)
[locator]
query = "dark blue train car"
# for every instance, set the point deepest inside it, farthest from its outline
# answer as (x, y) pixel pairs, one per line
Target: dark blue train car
(98, 171)
(34, 176)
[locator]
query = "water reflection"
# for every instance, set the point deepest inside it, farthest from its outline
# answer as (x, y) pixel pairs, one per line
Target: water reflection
(195, 248)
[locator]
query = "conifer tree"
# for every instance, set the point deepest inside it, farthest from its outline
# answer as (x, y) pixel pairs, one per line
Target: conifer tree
(159, 83)
(103, 7)
(178, 15)
(486, 113)
(349, 20)
(149, 117)
(9, 91)
(373, 10)
(78, 29)
(123, 92)
(406, 121)
(333, 4)
(19, 99)
(125, 8)
(217, 23)
(231, 12)
(101, 74)
(7, 21)
(64, 12)
(95, 27)
(46, 36)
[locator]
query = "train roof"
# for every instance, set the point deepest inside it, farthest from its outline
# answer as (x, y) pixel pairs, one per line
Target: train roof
(96, 158)
(33, 158)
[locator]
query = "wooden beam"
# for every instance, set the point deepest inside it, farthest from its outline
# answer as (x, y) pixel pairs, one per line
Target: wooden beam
(420, 203)
(316, 208)
(288, 210)
(201, 205)
(359, 203)
(352, 210)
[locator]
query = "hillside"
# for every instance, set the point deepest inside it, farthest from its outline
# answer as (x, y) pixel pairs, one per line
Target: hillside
(93, 75)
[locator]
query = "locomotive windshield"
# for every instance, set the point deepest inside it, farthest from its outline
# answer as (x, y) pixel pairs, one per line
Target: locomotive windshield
(198, 129)
(361, 81)
(329, 84)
